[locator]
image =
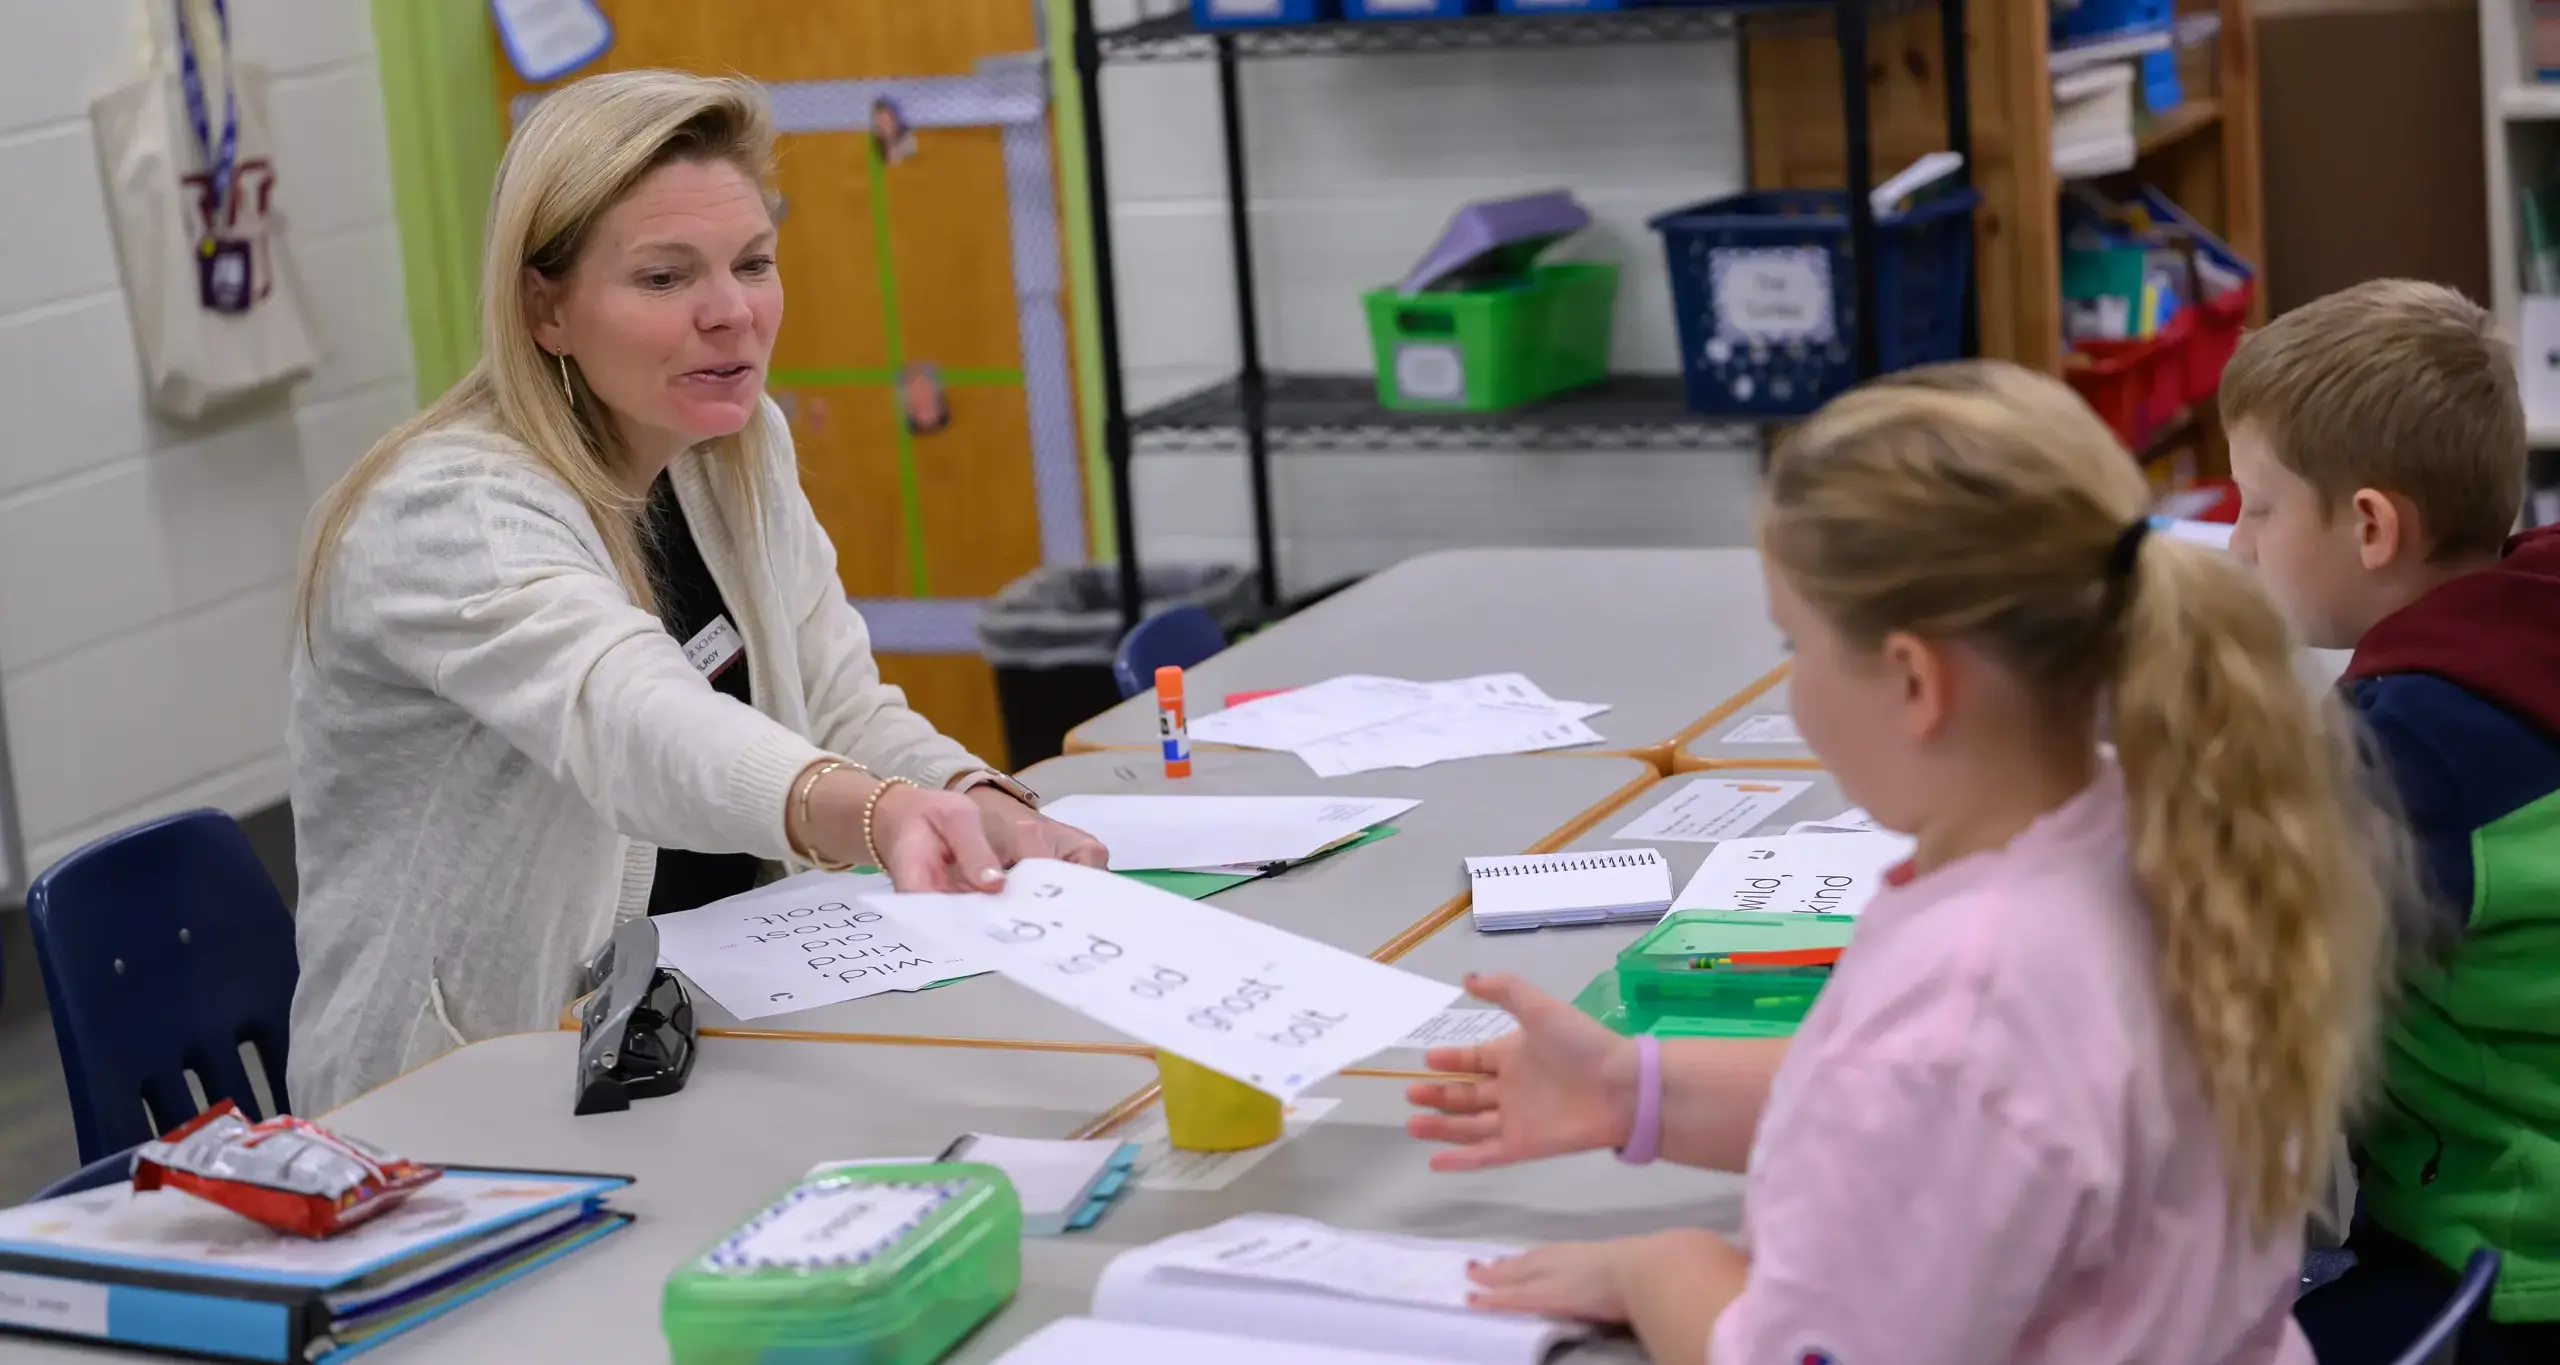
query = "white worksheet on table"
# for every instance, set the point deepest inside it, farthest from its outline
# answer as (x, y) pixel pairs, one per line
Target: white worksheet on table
(1304, 715)
(1262, 1005)
(1829, 874)
(1150, 832)
(1712, 808)
(1775, 728)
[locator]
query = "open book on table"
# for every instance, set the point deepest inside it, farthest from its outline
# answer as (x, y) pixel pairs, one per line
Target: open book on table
(1261, 1287)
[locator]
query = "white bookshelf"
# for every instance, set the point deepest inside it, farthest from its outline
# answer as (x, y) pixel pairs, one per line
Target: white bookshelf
(2522, 126)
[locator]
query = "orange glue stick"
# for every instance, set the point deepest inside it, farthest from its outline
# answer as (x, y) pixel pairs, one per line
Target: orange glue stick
(1172, 724)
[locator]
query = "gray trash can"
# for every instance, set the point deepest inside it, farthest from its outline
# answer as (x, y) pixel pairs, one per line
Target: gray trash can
(1051, 635)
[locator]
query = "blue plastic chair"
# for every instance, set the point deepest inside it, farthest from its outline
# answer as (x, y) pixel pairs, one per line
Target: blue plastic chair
(112, 1169)
(2443, 1338)
(164, 948)
(1177, 637)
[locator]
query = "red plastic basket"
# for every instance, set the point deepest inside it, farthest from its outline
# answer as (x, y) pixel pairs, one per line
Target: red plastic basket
(2218, 325)
(2136, 387)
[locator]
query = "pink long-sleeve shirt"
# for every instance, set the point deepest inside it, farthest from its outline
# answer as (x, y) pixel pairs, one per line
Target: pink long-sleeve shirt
(1989, 1143)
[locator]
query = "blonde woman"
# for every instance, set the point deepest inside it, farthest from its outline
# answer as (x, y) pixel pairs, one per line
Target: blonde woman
(2067, 1097)
(574, 644)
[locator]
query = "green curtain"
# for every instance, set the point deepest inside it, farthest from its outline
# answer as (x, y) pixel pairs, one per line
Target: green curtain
(440, 104)
(1084, 323)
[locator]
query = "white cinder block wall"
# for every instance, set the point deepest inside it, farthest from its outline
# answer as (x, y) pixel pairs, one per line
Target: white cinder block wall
(1355, 164)
(146, 571)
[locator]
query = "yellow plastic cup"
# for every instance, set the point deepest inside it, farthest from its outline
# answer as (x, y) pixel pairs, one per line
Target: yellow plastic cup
(1206, 1111)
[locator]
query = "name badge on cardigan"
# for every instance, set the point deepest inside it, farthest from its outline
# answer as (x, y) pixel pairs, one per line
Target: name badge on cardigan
(717, 646)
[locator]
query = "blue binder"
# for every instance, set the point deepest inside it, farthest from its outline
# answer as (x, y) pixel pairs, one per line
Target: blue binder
(146, 1298)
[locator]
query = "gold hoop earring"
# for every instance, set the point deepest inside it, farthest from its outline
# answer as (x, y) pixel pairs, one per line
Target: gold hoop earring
(564, 379)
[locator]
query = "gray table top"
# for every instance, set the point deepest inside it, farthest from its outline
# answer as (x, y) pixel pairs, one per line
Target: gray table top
(1662, 636)
(1357, 900)
(2318, 668)
(754, 1117)
(1562, 961)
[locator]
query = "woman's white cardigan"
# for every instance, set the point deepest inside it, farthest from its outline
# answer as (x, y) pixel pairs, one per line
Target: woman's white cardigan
(489, 741)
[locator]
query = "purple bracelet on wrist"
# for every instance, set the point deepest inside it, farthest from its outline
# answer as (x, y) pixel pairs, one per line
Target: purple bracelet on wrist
(1644, 1137)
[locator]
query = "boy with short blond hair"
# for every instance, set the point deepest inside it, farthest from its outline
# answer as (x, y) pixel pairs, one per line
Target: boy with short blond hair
(2379, 445)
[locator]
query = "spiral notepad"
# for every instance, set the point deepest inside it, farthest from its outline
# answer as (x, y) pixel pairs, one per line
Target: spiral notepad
(1540, 889)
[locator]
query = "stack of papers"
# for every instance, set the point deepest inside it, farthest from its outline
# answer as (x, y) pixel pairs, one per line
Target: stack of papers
(1245, 834)
(1809, 873)
(1539, 889)
(1264, 1288)
(1359, 723)
(1065, 1185)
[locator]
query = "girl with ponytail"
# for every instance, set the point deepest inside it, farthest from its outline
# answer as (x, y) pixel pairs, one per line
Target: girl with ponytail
(2070, 1092)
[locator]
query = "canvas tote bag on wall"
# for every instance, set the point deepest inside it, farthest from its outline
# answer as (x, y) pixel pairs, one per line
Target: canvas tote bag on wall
(191, 184)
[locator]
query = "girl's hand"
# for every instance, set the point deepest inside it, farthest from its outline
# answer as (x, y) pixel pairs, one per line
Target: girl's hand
(1585, 1281)
(1017, 832)
(1561, 1083)
(1671, 1286)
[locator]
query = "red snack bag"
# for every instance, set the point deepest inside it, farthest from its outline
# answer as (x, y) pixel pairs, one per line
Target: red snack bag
(288, 1174)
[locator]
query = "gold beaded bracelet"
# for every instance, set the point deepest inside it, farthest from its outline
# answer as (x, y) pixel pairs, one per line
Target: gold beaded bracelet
(808, 824)
(871, 812)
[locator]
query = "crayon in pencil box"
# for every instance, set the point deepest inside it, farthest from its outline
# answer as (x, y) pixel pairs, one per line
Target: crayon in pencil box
(1766, 962)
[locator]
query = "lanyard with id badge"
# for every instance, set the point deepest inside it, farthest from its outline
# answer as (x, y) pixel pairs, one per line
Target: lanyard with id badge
(225, 265)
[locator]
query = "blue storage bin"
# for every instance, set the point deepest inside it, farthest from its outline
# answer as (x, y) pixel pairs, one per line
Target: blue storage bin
(1767, 302)
(2162, 91)
(2076, 19)
(1414, 9)
(1255, 13)
(1570, 6)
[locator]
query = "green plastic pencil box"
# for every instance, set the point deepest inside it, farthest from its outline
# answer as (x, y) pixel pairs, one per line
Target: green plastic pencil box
(1680, 969)
(854, 1265)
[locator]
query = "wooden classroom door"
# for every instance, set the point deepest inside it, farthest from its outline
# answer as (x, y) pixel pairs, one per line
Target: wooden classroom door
(923, 360)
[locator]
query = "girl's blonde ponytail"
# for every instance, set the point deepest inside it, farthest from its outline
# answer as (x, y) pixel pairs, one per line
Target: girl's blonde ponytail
(1985, 503)
(2268, 873)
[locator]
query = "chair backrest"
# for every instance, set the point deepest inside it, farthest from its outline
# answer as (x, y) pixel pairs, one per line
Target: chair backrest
(1176, 637)
(163, 948)
(2443, 1338)
(112, 1169)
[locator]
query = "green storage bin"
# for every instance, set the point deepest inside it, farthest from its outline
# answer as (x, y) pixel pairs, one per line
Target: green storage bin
(1662, 986)
(854, 1265)
(1496, 347)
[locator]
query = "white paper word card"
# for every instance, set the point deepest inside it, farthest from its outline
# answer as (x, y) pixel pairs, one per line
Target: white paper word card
(1273, 1010)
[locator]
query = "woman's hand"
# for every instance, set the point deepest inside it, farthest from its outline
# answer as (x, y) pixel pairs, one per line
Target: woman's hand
(1560, 1083)
(1017, 832)
(933, 841)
